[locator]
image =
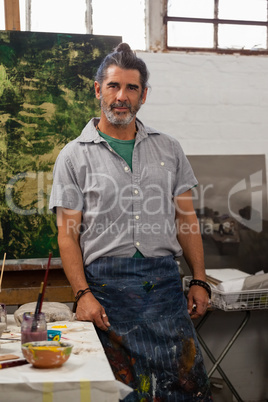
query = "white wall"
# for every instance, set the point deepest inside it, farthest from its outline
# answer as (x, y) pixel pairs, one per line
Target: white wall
(218, 104)
(213, 104)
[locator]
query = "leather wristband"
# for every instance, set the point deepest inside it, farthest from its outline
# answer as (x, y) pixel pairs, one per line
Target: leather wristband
(81, 293)
(203, 284)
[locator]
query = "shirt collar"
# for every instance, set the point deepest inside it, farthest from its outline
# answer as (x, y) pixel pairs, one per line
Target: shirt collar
(90, 134)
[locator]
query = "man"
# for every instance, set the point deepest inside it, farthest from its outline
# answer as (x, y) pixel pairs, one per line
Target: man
(122, 192)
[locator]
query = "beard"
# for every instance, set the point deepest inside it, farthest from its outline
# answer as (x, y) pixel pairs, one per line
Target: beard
(121, 119)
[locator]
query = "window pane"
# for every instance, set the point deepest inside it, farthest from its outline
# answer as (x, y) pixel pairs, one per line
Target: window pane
(191, 8)
(251, 10)
(188, 34)
(242, 37)
(22, 15)
(120, 18)
(67, 16)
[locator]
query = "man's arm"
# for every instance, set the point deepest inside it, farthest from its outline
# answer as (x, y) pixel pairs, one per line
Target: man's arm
(189, 237)
(88, 308)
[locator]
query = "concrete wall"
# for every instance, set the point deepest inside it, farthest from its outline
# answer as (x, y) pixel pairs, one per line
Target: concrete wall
(213, 104)
(217, 105)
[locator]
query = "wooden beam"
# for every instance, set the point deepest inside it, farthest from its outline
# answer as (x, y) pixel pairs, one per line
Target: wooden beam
(22, 278)
(19, 296)
(12, 15)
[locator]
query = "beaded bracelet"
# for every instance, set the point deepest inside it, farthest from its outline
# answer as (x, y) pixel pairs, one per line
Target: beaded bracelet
(81, 293)
(203, 284)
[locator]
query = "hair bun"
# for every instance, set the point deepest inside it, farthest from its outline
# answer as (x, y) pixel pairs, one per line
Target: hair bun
(123, 47)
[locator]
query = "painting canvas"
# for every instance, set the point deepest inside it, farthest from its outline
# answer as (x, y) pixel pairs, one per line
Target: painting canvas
(231, 205)
(46, 98)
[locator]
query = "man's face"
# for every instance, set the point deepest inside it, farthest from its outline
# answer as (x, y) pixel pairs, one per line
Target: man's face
(120, 95)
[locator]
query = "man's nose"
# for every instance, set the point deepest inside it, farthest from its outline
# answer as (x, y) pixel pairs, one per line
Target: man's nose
(122, 95)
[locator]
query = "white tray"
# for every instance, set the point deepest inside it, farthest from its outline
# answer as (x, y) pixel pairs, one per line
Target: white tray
(235, 301)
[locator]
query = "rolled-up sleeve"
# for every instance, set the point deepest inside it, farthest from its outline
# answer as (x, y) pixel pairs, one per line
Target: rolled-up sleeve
(185, 178)
(65, 191)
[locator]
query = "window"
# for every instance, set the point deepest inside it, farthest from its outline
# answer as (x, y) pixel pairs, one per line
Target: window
(220, 25)
(121, 18)
(100, 17)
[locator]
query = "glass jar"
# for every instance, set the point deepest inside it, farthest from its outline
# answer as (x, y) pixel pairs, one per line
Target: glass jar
(3, 316)
(33, 327)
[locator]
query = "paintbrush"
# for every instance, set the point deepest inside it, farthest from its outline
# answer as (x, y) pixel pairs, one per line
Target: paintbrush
(13, 363)
(45, 283)
(2, 271)
(41, 296)
(37, 308)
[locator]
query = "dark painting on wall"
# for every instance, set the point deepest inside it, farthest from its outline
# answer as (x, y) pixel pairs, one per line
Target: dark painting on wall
(231, 204)
(46, 98)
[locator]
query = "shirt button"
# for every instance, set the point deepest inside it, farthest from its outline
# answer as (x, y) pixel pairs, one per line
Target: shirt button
(137, 217)
(126, 169)
(136, 192)
(137, 243)
(162, 163)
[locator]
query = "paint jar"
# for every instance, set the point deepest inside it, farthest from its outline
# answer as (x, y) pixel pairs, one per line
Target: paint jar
(33, 327)
(53, 335)
(3, 316)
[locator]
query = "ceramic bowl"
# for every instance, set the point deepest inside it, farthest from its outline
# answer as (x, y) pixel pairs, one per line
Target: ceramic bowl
(46, 354)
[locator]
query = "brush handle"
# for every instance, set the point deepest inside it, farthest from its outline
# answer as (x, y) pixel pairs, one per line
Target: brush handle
(13, 364)
(45, 282)
(37, 308)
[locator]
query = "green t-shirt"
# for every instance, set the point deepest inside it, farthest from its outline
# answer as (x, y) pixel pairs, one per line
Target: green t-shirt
(124, 148)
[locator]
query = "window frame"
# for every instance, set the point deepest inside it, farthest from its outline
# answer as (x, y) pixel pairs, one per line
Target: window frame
(215, 21)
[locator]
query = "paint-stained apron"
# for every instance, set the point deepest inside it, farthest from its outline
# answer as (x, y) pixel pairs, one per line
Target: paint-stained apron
(151, 344)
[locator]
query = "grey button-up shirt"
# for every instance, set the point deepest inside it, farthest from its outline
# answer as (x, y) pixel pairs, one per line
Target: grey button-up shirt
(123, 210)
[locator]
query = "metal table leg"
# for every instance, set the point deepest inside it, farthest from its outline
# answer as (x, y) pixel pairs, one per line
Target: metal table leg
(216, 362)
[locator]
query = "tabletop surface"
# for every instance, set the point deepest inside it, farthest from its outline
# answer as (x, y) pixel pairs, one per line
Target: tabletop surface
(87, 367)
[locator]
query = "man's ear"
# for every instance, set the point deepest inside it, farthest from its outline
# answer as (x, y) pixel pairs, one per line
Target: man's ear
(144, 96)
(97, 89)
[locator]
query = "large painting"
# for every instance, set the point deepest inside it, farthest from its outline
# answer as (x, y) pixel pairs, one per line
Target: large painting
(46, 98)
(231, 204)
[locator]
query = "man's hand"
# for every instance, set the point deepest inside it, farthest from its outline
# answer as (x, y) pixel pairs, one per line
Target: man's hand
(197, 301)
(89, 309)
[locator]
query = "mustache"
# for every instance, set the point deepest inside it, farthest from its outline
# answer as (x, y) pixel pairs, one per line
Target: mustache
(120, 104)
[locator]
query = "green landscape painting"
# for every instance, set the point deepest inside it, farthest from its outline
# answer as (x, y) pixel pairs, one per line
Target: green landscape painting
(46, 98)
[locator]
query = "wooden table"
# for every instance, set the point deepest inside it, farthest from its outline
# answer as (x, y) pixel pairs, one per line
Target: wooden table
(22, 279)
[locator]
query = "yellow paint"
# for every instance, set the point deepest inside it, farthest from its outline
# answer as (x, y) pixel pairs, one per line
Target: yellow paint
(144, 383)
(59, 326)
(50, 348)
(48, 392)
(85, 391)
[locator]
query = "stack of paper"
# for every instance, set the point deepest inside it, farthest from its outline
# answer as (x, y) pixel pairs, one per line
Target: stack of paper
(226, 279)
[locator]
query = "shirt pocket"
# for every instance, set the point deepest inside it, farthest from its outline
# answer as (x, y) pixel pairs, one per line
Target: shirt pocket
(161, 177)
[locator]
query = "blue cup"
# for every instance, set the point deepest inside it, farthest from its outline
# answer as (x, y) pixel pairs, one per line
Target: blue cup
(53, 335)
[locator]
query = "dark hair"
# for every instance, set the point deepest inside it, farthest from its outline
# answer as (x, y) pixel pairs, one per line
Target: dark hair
(125, 58)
